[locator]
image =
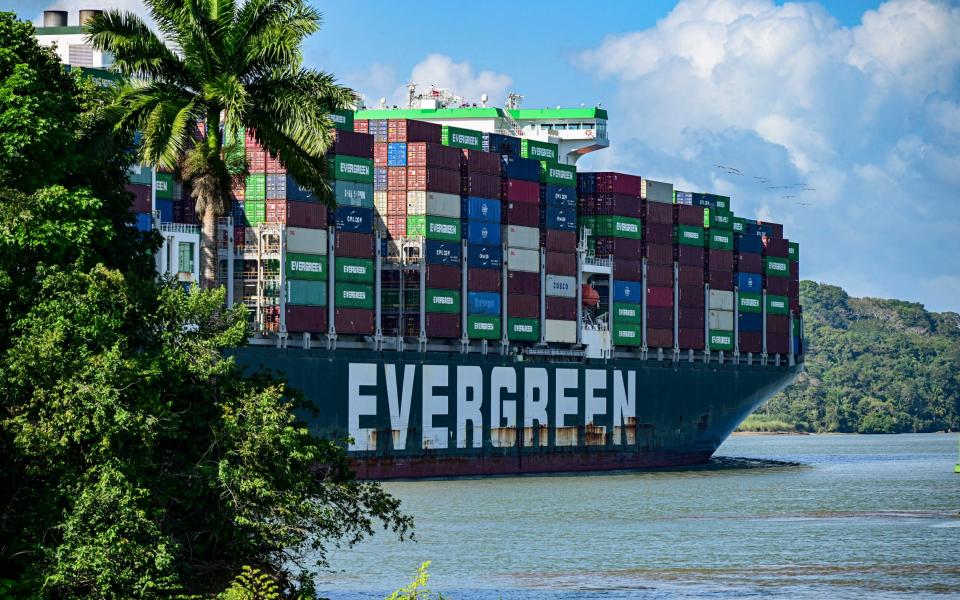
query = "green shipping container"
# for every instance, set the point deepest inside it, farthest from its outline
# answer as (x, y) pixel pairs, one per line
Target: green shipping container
(359, 270)
(354, 295)
(444, 229)
(721, 340)
(723, 202)
(720, 239)
(458, 137)
(483, 327)
(342, 119)
(796, 328)
(164, 186)
(689, 235)
(523, 330)
(255, 211)
(306, 266)
(351, 168)
(539, 150)
(590, 222)
(627, 313)
(750, 302)
(720, 219)
(256, 188)
(778, 305)
(306, 293)
(793, 251)
(442, 301)
(556, 174)
(776, 267)
(624, 227)
(626, 334)
(739, 225)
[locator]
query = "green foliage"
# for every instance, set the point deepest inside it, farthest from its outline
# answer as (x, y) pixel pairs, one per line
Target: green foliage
(873, 366)
(763, 423)
(417, 589)
(252, 584)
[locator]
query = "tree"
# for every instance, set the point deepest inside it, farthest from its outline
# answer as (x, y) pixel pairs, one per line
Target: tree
(235, 65)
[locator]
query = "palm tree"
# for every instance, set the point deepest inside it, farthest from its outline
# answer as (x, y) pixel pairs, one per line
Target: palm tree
(217, 67)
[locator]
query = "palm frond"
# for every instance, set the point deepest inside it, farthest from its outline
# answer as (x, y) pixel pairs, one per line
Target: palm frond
(137, 51)
(274, 37)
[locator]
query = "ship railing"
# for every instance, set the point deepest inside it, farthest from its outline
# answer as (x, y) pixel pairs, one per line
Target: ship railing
(179, 228)
(598, 261)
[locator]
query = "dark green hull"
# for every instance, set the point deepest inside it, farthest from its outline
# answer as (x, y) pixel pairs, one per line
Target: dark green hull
(448, 415)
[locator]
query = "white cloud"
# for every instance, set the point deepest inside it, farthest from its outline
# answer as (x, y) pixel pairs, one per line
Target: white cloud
(459, 78)
(866, 117)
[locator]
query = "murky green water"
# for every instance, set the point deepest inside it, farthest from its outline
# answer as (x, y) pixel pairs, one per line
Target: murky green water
(860, 517)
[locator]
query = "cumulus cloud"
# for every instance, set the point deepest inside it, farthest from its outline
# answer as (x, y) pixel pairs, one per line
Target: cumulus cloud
(866, 117)
(459, 78)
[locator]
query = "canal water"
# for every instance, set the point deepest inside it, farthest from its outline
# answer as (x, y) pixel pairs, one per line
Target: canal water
(818, 516)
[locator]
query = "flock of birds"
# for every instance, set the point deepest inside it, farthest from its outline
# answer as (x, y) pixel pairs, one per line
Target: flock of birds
(758, 180)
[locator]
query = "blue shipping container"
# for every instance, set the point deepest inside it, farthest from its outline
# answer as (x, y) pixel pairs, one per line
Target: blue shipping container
(749, 244)
(297, 192)
(516, 167)
(442, 253)
(165, 208)
(564, 219)
(481, 232)
(144, 222)
(378, 129)
(751, 322)
(501, 144)
(560, 196)
(380, 179)
(397, 154)
(483, 303)
(626, 291)
(351, 193)
(480, 209)
(586, 183)
(750, 282)
(354, 219)
(484, 257)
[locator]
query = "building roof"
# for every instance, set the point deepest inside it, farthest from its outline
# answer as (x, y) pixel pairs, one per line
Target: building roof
(559, 113)
(472, 112)
(69, 30)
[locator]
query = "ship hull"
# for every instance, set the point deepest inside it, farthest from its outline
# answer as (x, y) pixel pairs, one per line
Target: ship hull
(413, 415)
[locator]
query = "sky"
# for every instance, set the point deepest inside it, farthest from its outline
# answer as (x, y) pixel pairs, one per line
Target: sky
(840, 119)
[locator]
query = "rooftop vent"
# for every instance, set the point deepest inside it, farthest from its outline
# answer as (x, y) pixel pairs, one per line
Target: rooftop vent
(54, 18)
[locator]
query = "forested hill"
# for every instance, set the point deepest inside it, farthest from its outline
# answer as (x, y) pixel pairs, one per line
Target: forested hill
(873, 366)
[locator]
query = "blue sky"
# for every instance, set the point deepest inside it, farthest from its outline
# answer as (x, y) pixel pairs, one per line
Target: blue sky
(857, 100)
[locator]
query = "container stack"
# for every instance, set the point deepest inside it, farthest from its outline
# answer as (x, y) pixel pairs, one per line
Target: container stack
(776, 275)
(520, 217)
(718, 221)
(558, 237)
(142, 205)
(658, 221)
(692, 272)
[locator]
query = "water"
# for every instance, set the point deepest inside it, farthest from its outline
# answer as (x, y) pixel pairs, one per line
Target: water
(858, 516)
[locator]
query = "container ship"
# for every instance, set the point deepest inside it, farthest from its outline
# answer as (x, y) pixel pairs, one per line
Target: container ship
(477, 305)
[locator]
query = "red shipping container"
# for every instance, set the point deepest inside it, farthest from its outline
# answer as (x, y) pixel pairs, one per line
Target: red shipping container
(659, 296)
(795, 270)
(689, 215)
(306, 318)
(564, 309)
(396, 204)
(691, 256)
(483, 280)
(657, 275)
(523, 306)
(351, 143)
(561, 263)
(778, 343)
(751, 341)
(518, 190)
(775, 228)
(660, 337)
(556, 240)
(525, 214)
(480, 185)
(776, 247)
(720, 260)
(690, 318)
(443, 277)
(397, 227)
(779, 286)
(793, 289)
(778, 324)
(659, 254)
(618, 183)
(397, 179)
(519, 282)
(354, 321)
(273, 165)
(658, 233)
(795, 304)
(626, 269)
(627, 206)
(721, 280)
(690, 276)
(692, 296)
(380, 154)
(141, 198)
(446, 181)
(442, 325)
(625, 248)
(691, 339)
(658, 212)
(297, 214)
(410, 130)
(355, 245)
(749, 263)
(475, 161)
(423, 154)
(361, 125)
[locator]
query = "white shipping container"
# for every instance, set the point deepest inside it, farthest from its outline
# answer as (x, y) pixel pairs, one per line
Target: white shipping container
(564, 286)
(519, 259)
(311, 241)
(380, 203)
(521, 237)
(433, 203)
(656, 191)
(721, 319)
(721, 300)
(564, 332)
